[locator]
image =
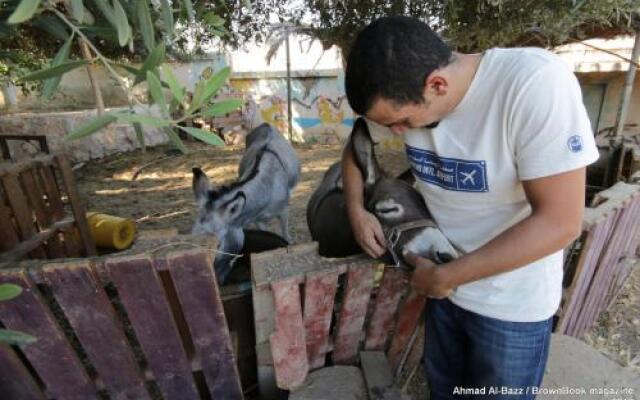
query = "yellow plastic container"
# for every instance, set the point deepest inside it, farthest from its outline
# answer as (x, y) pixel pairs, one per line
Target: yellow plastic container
(110, 231)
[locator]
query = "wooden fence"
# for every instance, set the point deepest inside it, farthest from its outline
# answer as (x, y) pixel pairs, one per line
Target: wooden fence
(41, 215)
(309, 309)
(599, 262)
(144, 325)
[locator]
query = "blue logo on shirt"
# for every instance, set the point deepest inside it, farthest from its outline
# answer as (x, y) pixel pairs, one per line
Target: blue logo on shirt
(448, 173)
(575, 143)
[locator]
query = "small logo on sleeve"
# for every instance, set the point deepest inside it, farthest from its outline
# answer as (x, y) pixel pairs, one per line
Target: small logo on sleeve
(575, 143)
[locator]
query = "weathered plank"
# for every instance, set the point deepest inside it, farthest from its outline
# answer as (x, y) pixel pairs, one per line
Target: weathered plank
(56, 209)
(392, 287)
(288, 346)
(15, 380)
(142, 295)
(8, 235)
(77, 207)
(378, 376)
(51, 355)
(408, 316)
(35, 194)
(319, 292)
(597, 236)
(197, 290)
(21, 211)
(352, 314)
(89, 312)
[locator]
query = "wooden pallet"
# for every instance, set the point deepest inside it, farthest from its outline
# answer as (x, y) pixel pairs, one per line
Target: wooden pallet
(133, 326)
(41, 215)
(605, 251)
(309, 310)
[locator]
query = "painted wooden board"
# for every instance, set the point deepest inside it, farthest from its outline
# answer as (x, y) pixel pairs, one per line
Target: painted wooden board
(8, 235)
(408, 317)
(15, 380)
(352, 314)
(93, 319)
(319, 292)
(51, 355)
(197, 290)
(288, 346)
(392, 287)
(142, 295)
(378, 376)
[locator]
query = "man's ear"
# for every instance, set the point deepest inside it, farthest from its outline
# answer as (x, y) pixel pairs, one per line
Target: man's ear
(200, 184)
(435, 85)
(234, 207)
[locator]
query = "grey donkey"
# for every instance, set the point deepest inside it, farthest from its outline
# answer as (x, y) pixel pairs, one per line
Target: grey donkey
(398, 206)
(269, 170)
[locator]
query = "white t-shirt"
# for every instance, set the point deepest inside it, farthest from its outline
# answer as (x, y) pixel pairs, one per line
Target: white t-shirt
(522, 118)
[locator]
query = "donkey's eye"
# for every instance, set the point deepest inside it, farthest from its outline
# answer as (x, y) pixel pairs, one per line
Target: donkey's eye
(387, 210)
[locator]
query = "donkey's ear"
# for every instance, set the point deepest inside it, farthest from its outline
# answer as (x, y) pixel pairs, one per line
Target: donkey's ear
(200, 184)
(363, 153)
(234, 208)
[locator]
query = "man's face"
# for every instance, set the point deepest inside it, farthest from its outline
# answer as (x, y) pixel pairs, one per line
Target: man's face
(400, 118)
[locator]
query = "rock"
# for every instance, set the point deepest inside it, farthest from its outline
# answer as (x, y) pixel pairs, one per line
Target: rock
(576, 370)
(332, 383)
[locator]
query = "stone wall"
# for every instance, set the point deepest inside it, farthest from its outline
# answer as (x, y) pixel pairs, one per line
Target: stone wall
(114, 138)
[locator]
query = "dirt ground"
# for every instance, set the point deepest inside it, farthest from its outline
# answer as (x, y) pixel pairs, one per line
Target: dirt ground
(160, 196)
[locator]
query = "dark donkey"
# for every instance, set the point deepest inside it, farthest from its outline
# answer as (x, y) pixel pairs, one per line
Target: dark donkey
(398, 206)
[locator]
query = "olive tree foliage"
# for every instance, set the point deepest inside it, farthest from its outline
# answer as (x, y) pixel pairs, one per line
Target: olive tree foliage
(105, 27)
(471, 25)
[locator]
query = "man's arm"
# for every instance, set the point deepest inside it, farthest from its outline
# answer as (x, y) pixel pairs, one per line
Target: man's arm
(366, 228)
(557, 204)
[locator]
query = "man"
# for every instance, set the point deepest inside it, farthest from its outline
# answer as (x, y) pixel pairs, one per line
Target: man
(498, 143)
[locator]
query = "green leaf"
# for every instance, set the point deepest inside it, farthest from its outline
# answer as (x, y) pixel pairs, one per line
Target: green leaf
(128, 68)
(51, 72)
(188, 5)
(92, 126)
(142, 119)
(153, 60)
(155, 88)
(213, 19)
(15, 337)
(77, 9)
(210, 88)
(205, 136)
(107, 11)
(24, 11)
(222, 107)
(50, 85)
(146, 25)
(167, 17)
(8, 291)
(122, 23)
(176, 139)
(177, 90)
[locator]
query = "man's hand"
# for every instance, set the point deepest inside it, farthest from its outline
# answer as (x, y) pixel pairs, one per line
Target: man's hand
(367, 232)
(428, 278)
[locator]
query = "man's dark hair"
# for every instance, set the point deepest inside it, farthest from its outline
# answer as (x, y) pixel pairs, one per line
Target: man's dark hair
(391, 58)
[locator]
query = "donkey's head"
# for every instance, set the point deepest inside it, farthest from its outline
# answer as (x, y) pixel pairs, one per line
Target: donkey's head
(219, 207)
(396, 204)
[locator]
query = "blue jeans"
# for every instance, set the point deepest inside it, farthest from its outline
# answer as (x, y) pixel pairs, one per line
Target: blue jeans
(471, 356)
